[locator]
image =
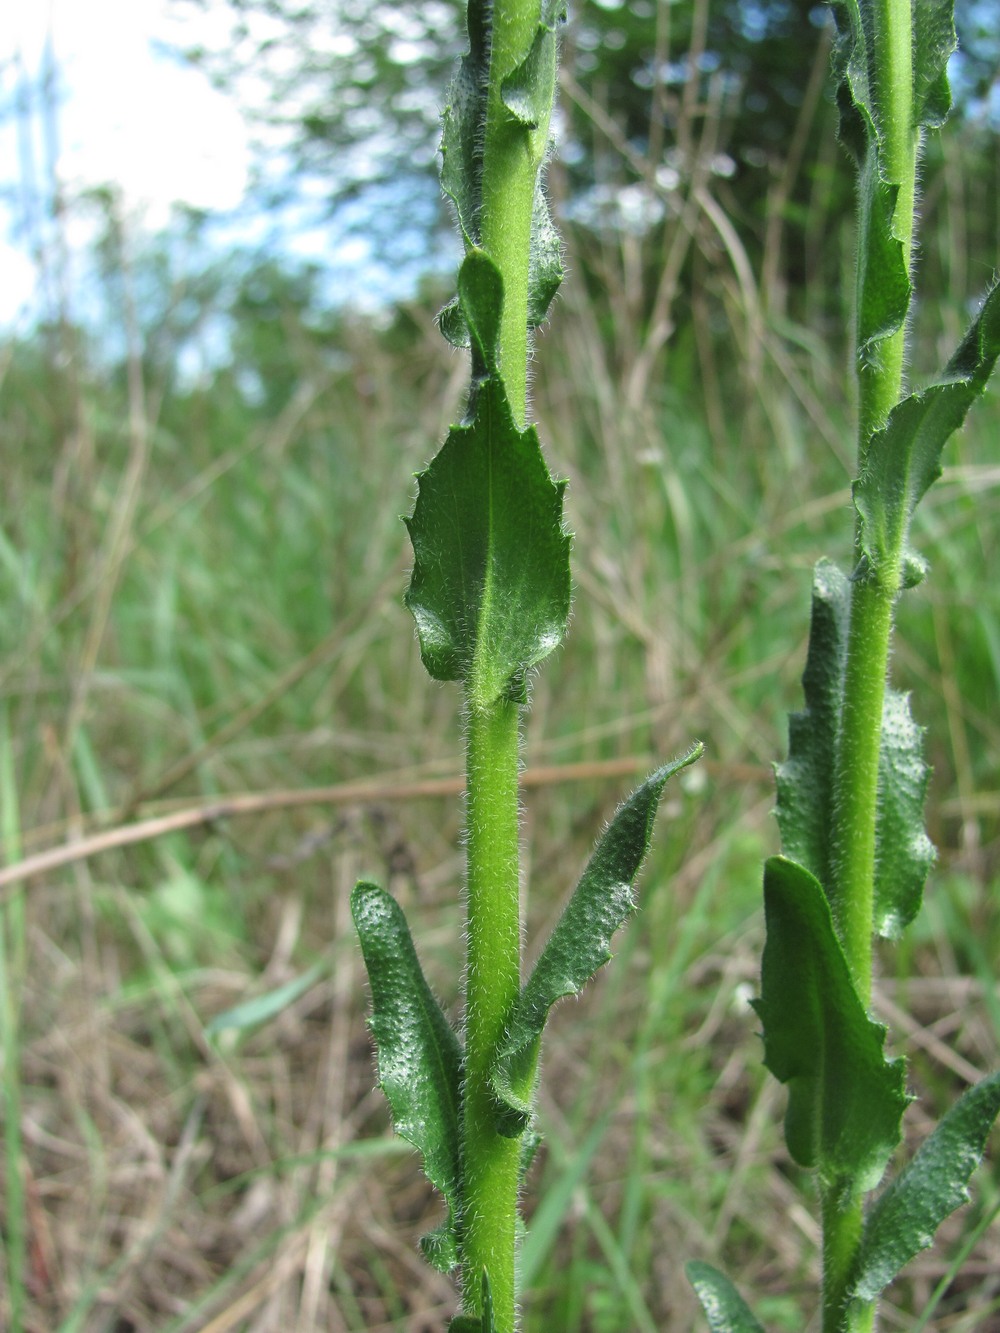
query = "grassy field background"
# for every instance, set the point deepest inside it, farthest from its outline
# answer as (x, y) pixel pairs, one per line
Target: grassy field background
(200, 596)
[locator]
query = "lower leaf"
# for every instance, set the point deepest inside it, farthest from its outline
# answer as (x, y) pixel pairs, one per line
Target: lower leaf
(904, 1219)
(579, 945)
(419, 1056)
(725, 1308)
(845, 1100)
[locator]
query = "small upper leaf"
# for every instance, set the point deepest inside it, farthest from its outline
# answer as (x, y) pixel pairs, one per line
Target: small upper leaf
(725, 1308)
(845, 1100)
(484, 1323)
(490, 589)
(904, 853)
(462, 126)
(805, 779)
(528, 92)
(904, 457)
(419, 1056)
(579, 944)
(906, 1216)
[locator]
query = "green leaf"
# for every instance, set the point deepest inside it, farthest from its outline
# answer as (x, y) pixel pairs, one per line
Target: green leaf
(725, 1308)
(485, 1323)
(906, 1216)
(903, 851)
(490, 589)
(528, 94)
(579, 944)
(845, 1100)
(419, 1056)
(529, 90)
(462, 125)
(904, 457)
(805, 780)
(934, 41)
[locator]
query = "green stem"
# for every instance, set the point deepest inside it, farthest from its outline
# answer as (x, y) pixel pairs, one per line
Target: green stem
(873, 595)
(856, 779)
(511, 161)
(491, 1162)
(841, 1234)
(893, 159)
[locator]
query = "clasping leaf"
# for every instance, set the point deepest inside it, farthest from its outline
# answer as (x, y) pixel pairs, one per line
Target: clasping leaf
(579, 944)
(904, 458)
(725, 1308)
(903, 852)
(419, 1056)
(845, 1100)
(490, 589)
(906, 1216)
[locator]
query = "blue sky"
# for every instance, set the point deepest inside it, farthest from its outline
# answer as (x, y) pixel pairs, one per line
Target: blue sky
(127, 115)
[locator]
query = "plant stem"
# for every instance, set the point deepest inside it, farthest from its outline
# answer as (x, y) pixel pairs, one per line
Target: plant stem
(511, 161)
(895, 160)
(855, 811)
(491, 1163)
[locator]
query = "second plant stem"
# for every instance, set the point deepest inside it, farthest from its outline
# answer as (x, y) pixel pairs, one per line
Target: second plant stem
(880, 379)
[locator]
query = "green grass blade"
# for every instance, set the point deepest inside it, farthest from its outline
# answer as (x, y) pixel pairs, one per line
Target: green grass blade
(725, 1308)
(579, 944)
(262, 1008)
(484, 1323)
(845, 1100)
(906, 1216)
(419, 1055)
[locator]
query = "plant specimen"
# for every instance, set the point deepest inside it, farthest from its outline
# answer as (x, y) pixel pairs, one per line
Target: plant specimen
(490, 593)
(851, 792)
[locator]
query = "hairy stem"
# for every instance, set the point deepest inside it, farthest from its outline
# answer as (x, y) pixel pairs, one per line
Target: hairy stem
(491, 1162)
(855, 812)
(511, 162)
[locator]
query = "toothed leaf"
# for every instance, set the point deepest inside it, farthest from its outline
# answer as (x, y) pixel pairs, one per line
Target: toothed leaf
(484, 1323)
(419, 1056)
(529, 90)
(725, 1308)
(579, 944)
(905, 1218)
(903, 851)
(805, 779)
(904, 457)
(845, 1100)
(462, 125)
(490, 589)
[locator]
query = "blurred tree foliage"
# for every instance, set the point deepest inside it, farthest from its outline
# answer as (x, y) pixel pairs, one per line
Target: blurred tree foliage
(729, 94)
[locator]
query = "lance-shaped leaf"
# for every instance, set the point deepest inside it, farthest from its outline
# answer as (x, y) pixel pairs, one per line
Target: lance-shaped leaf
(528, 93)
(462, 125)
(906, 1216)
(884, 288)
(419, 1056)
(486, 1323)
(725, 1308)
(903, 851)
(845, 1100)
(529, 90)
(579, 944)
(805, 780)
(490, 589)
(904, 458)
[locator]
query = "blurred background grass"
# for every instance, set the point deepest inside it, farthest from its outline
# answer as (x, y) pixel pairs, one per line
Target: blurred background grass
(200, 595)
